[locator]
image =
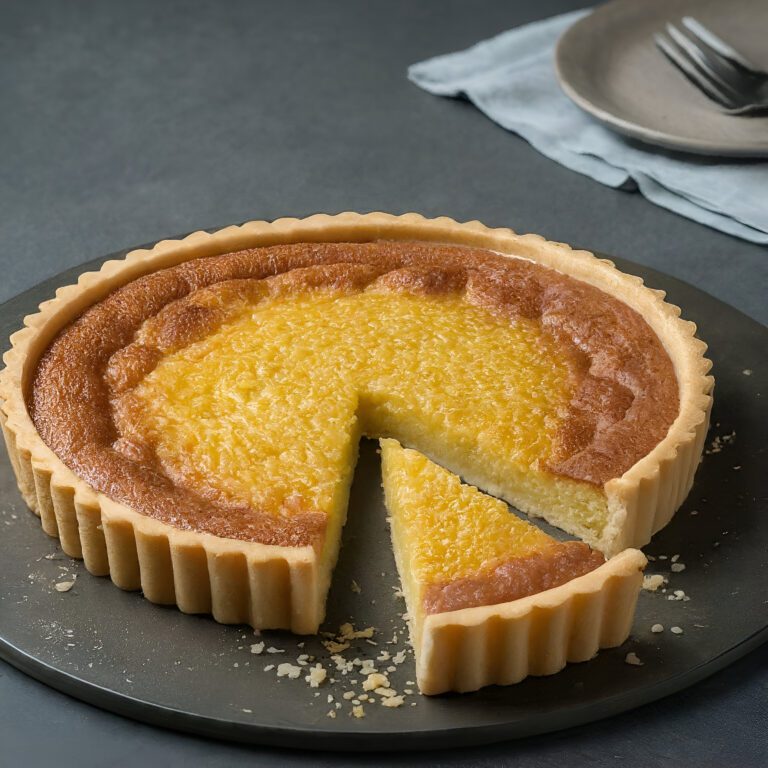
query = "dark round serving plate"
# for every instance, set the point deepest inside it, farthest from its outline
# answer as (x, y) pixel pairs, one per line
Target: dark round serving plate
(117, 651)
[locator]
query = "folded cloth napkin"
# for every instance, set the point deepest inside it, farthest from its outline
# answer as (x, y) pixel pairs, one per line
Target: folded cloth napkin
(511, 78)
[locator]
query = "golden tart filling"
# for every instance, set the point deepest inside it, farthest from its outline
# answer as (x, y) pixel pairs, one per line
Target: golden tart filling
(460, 548)
(231, 398)
(187, 421)
(268, 410)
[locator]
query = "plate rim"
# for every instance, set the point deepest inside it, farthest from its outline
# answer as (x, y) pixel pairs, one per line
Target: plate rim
(359, 740)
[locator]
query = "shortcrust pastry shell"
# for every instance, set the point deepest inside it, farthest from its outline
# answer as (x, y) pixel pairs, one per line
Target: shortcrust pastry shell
(281, 587)
(537, 635)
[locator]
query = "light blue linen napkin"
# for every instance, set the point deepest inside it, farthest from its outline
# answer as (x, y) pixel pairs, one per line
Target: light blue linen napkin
(511, 78)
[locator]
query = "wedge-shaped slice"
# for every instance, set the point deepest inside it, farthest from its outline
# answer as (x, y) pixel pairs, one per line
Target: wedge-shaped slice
(491, 598)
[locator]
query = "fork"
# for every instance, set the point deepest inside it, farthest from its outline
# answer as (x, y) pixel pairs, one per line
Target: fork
(718, 70)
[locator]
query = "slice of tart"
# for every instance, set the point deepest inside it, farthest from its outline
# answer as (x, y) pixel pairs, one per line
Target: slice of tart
(490, 597)
(187, 419)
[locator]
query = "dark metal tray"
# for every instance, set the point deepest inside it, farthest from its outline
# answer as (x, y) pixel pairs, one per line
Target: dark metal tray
(117, 651)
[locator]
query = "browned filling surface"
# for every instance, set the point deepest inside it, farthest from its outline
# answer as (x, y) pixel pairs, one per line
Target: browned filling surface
(625, 399)
(514, 579)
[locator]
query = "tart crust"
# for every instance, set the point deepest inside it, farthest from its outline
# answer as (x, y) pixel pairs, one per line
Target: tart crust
(282, 587)
(502, 644)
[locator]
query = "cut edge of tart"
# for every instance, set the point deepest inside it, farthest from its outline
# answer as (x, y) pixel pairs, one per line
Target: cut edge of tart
(272, 586)
(519, 603)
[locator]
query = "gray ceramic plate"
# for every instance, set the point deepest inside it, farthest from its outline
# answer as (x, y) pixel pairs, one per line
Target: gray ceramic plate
(608, 64)
(120, 652)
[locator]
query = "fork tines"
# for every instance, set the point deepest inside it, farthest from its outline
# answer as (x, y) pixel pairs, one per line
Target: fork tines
(714, 67)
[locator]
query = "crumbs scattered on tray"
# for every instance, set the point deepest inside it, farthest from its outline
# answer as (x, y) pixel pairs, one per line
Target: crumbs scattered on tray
(659, 583)
(719, 442)
(344, 674)
(8, 516)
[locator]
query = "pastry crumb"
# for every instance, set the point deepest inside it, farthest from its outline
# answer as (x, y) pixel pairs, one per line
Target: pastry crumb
(272, 649)
(633, 659)
(747, 372)
(393, 701)
(375, 680)
(333, 647)
(257, 647)
(656, 628)
(653, 581)
(676, 630)
(291, 671)
(677, 567)
(64, 586)
(316, 676)
(331, 713)
(358, 711)
(348, 632)
(355, 587)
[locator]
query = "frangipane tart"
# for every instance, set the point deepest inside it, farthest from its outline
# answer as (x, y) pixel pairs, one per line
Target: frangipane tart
(187, 419)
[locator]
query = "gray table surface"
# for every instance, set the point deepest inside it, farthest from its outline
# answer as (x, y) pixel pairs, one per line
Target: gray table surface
(123, 123)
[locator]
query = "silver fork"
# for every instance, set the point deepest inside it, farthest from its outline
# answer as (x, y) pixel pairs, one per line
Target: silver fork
(716, 68)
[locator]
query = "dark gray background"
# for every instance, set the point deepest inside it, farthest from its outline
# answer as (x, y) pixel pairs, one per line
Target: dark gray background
(121, 123)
